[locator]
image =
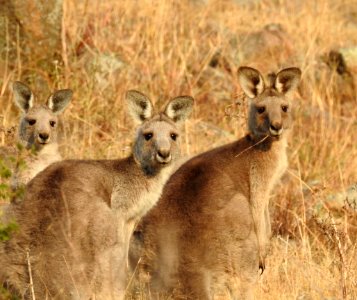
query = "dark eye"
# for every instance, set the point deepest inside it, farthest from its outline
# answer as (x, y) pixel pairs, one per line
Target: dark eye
(261, 109)
(173, 136)
(32, 122)
(285, 108)
(52, 123)
(148, 136)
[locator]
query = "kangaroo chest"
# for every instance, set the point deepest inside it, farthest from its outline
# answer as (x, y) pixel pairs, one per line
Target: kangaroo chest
(133, 199)
(36, 164)
(266, 171)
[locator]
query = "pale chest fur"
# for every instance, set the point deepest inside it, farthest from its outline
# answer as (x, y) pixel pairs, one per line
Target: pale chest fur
(267, 168)
(135, 200)
(36, 163)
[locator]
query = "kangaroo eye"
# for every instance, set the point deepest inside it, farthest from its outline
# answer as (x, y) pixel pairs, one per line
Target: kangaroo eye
(147, 136)
(173, 136)
(32, 122)
(52, 123)
(261, 109)
(285, 108)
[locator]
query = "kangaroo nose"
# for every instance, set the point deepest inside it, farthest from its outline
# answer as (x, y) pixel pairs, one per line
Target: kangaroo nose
(44, 136)
(163, 153)
(276, 126)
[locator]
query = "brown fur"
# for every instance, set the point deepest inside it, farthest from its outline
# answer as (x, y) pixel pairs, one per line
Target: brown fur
(77, 216)
(209, 232)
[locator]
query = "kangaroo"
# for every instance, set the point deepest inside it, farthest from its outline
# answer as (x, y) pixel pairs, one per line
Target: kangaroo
(78, 215)
(209, 232)
(37, 130)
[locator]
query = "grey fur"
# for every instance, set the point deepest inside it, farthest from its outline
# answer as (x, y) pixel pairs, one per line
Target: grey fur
(38, 129)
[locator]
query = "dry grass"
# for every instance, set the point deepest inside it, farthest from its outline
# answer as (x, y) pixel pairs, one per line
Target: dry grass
(166, 48)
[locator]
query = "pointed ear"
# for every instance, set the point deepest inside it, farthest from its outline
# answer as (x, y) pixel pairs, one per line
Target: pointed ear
(179, 108)
(23, 96)
(251, 81)
(59, 100)
(139, 106)
(287, 80)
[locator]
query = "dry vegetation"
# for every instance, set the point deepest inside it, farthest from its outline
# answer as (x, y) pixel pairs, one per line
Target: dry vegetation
(166, 48)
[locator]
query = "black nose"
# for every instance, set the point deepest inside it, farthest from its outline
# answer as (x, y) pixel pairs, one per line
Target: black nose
(163, 153)
(276, 126)
(44, 136)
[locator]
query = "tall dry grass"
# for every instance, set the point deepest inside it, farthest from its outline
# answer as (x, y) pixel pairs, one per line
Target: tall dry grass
(166, 48)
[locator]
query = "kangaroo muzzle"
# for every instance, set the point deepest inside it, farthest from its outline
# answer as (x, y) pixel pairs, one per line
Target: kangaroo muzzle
(163, 156)
(43, 138)
(276, 128)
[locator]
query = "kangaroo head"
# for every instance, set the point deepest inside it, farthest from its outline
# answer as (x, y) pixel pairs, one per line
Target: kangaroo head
(270, 107)
(157, 138)
(38, 125)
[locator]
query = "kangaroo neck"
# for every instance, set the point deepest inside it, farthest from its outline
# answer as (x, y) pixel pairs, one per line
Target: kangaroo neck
(267, 143)
(153, 171)
(49, 150)
(261, 153)
(144, 188)
(268, 159)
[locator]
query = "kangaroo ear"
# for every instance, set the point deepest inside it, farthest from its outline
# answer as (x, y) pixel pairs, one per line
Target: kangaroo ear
(23, 96)
(287, 80)
(179, 108)
(251, 81)
(59, 100)
(139, 106)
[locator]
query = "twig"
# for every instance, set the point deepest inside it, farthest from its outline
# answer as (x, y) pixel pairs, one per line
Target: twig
(341, 246)
(64, 43)
(133, 275)
(70, 274)
(245, 150)
(30, 274)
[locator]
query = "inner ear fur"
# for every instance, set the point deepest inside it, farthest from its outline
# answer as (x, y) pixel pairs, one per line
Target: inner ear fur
(139, 106)
(251, 81)
(59, 100)
(23, 96)
(179, 108)
(287, 80)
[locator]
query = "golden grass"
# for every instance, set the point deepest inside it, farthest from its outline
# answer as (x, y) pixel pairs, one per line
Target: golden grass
(166, 48)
